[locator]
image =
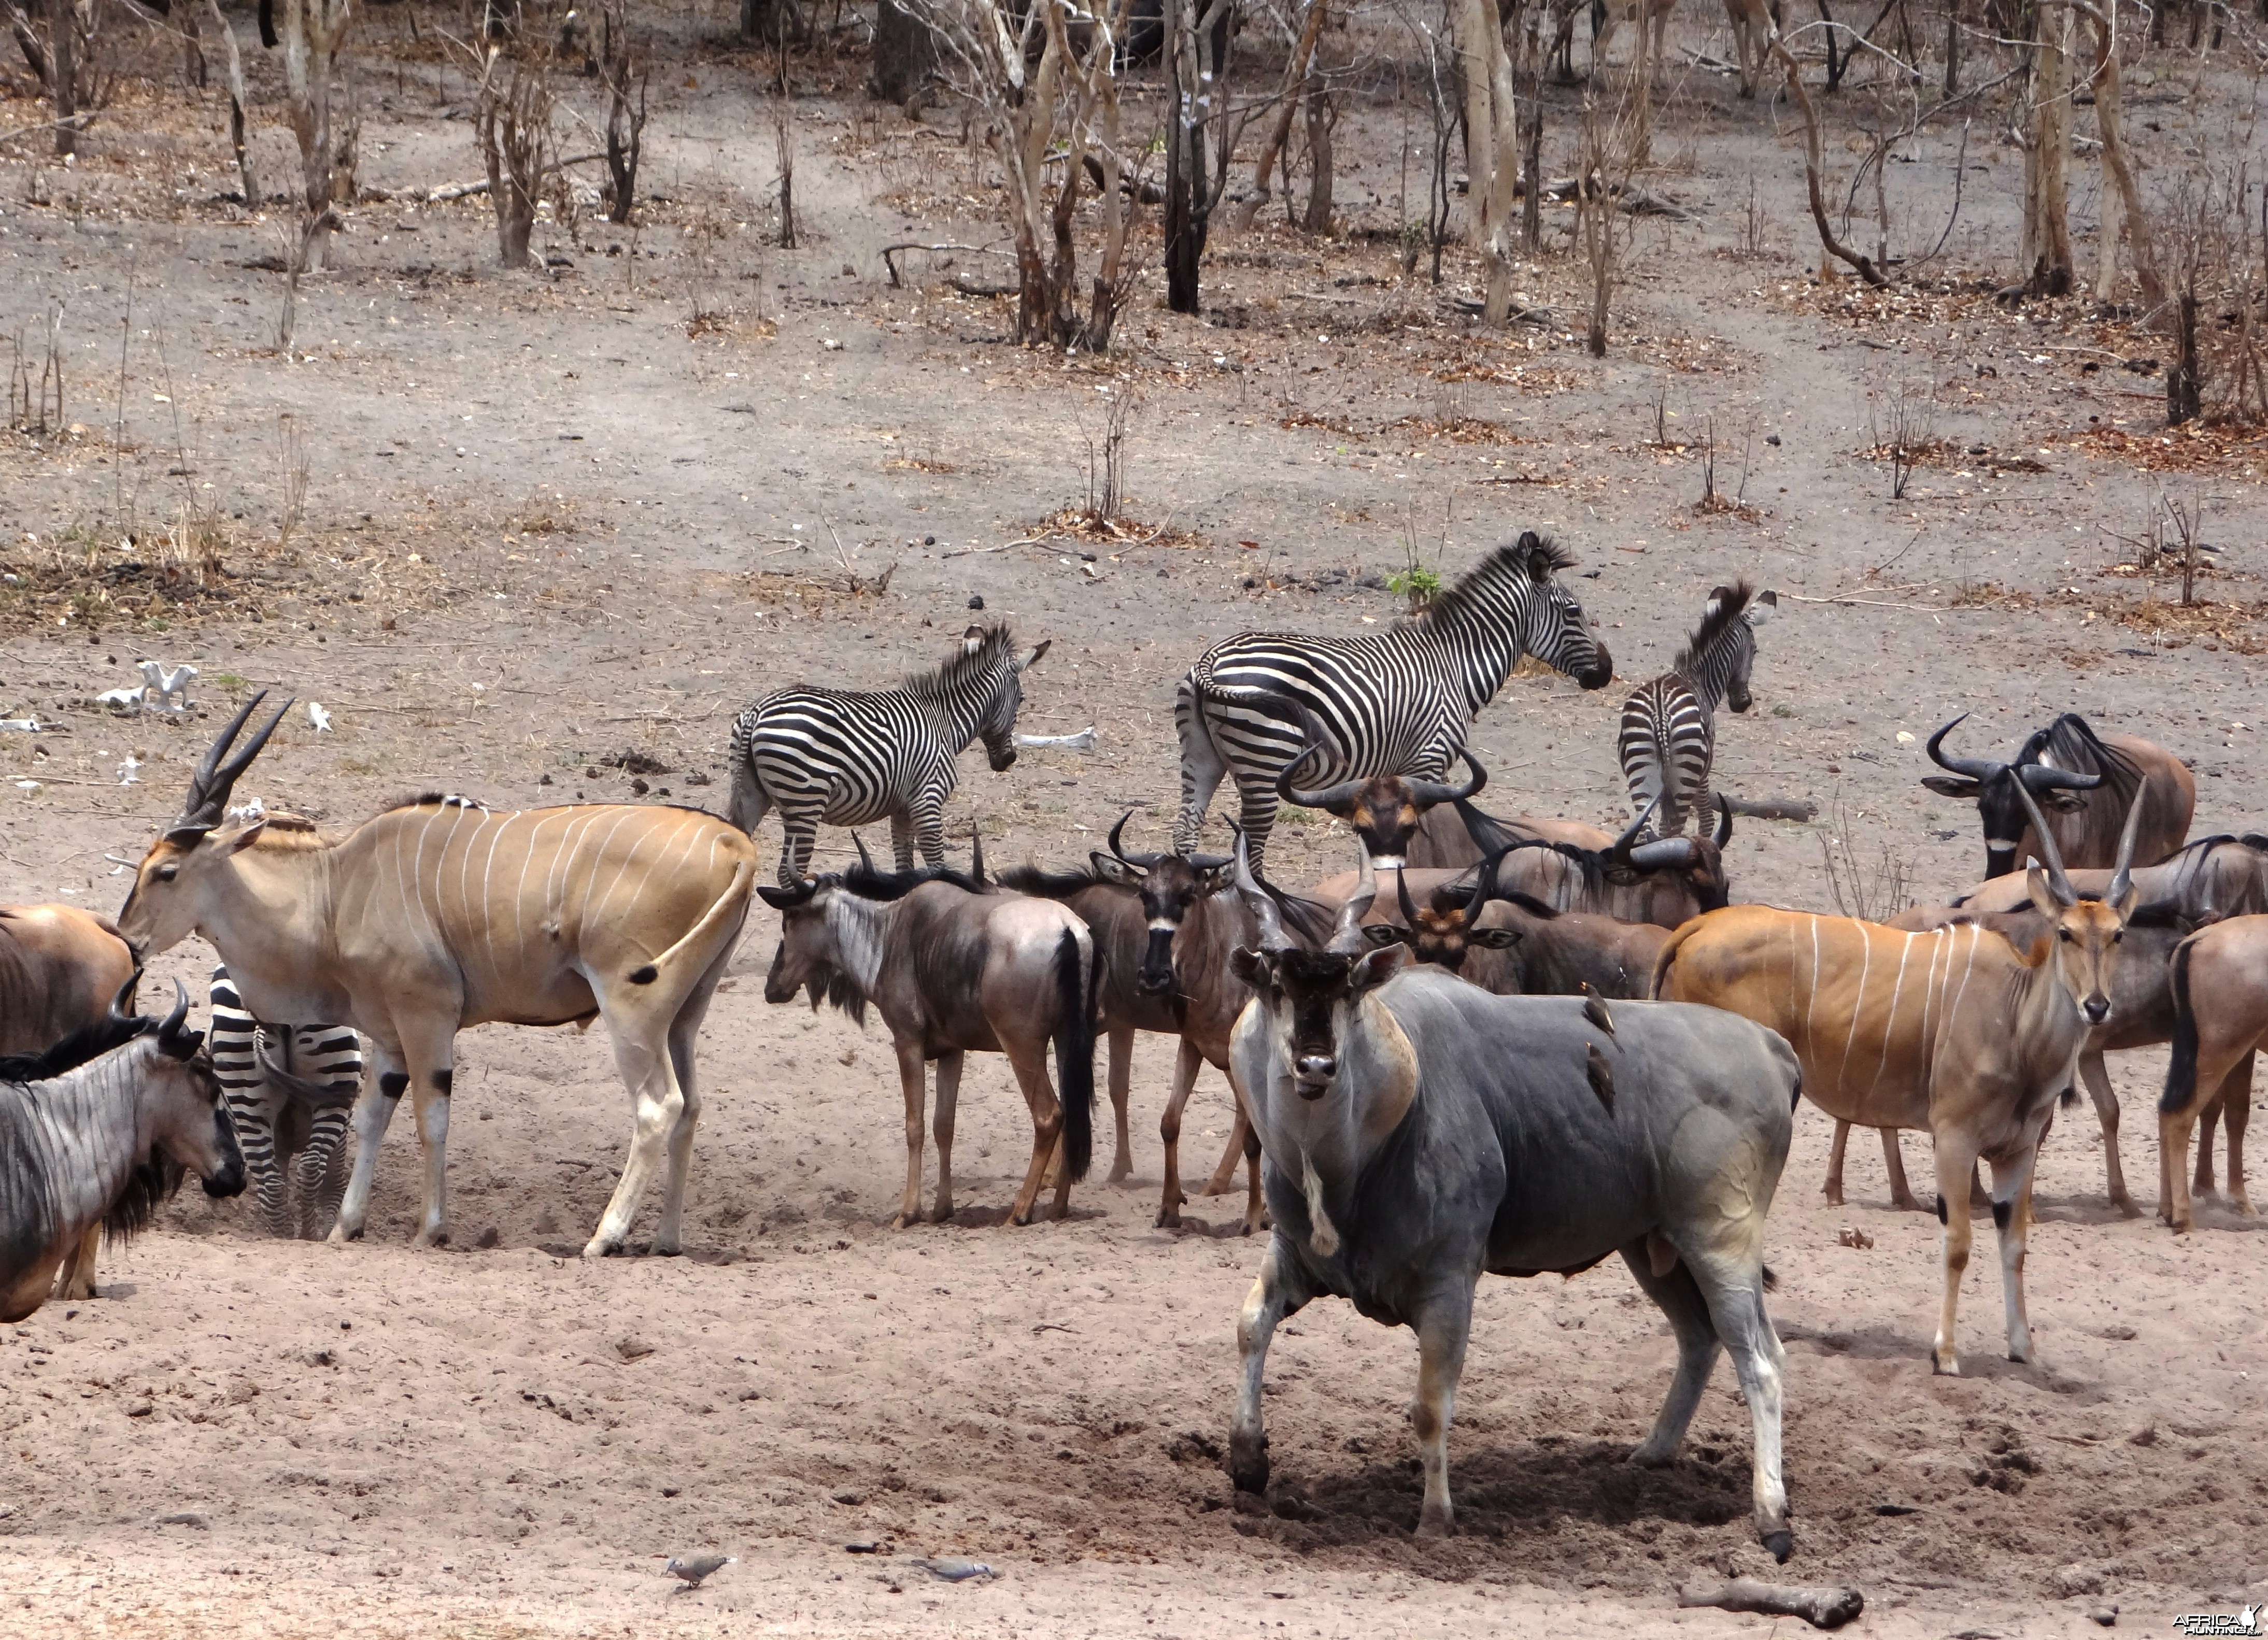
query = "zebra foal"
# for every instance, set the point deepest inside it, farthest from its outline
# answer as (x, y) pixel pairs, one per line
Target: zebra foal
(1669, 726)
(287, 1142)
(1394, 703)
(851, 758)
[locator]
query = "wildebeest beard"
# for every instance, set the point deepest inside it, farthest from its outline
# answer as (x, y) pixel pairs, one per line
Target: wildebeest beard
(831, 985)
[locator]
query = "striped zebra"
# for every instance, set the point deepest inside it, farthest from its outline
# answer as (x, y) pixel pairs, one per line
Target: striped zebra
(1394, 703)
(850, 758)
(1669, 727)
(274, 1131)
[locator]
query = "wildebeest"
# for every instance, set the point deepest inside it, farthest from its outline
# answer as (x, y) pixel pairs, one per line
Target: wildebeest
(1953, 1031)
(1162, 935)
(2204, 881)
(953, 969)
(95, 1133)
(2141, 1016)
(2089, 784)
(1419, 1131)
(440, 914)
(1385, 811)
(2220, 1020)
(1451, 835)
(60, 967)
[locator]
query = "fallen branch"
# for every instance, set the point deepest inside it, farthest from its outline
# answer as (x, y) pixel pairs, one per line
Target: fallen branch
(1820, 1608)
(469, 190)
(890, 251)
(1773, 808)
(1873, 603)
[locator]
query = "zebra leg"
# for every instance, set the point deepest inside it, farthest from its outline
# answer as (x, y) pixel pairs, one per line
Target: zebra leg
(1256, 798)
(1202, 769)
(320, 1183)
(926, 820)
(253, 1109)
(801, 826)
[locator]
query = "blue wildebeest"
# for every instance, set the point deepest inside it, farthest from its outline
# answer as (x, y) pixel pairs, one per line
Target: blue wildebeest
(1574, 867)
(953, 969)
(1163, 934)
(2089, 785)
(1419, 1131)
(95, 1133)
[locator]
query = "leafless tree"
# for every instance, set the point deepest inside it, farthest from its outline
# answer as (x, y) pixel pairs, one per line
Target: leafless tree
(239, 111)
(1287, 102)
(1492, 147)
(319, 94)
(623, 70)
(1197, 64)
(1046, 98)
(2047, 258)
(512, 128)
(784, 143)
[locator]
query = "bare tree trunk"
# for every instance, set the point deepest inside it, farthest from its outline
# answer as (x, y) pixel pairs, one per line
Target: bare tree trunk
(2123, 210)
(62, 45)
(2047, 161)
(1952, 47)
(1108, 294)
(314, 38)
(1318, 99)
(2184, 391)
(1279, 129)
(1491, 144)
(905, 54)
(237, 106)
(1814, 163)
(1531, 164)
(619, 65)
(1192, 47)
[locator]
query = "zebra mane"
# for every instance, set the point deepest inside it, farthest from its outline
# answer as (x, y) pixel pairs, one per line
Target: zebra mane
(1723, 615)
(1509, 562)
(964, 663)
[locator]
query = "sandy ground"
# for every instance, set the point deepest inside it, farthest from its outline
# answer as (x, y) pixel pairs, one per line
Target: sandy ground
(545, 525)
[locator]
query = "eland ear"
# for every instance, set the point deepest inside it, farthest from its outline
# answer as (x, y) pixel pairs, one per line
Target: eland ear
(1030, 658)
(1956, 786)
(2043, 897)
(1382, 934)
(249, 836)
(1494, 938)
(1375, 968)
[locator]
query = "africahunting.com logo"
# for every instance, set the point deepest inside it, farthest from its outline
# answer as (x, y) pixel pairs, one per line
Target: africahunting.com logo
(2241, 1623)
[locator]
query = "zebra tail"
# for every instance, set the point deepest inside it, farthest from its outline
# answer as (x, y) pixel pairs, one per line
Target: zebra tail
(2182, 1071)
(1074, 1043)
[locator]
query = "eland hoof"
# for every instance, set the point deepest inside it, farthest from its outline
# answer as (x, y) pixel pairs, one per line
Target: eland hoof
(1945, 1365)
(1781, 1543)
(1434, 1525)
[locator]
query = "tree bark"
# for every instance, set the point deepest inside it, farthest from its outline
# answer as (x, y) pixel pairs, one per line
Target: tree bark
(1192, 47)
(1318, 99)
(1952, 47)
(2047, 161)
(62, 46)
(905, 54)
(238, 136)
(2124, 213)
(1279, 129)
(1813, 163)
(313, 38)
(1491, 145)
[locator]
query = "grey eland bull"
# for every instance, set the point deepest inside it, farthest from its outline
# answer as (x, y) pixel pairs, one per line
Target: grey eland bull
(953, 970)
(1419, 1132)
(96, 1133)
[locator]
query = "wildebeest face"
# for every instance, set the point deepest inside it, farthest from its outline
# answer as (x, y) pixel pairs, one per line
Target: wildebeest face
(806, 954)
(1167, 886)
(1310, 996)
(1386, 818)
(187, 1120)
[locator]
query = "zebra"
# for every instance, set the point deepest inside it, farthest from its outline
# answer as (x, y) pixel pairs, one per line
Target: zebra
(850, 758)
(1670, 733)
(1394, 702)
(274, 1130)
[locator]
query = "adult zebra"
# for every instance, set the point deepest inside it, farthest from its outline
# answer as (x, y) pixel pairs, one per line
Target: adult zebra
(1669, 726)
(259, 1068)
(851, 758)
(1394, 702)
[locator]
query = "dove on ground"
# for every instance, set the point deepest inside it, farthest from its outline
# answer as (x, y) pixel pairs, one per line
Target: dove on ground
(694, 1568)
(131, 695)
(953, 1568)
(169, 684)
(318, 716)
(127, 776)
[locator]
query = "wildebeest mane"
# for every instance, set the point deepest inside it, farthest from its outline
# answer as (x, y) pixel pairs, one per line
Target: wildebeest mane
(1465, 594)
(1714, 624)
(1530, 904)
(832, 986)
(88, 1042)
(2071, 742)
(154, 1181)
(871, 884)
(1043, 882)
(963, 663)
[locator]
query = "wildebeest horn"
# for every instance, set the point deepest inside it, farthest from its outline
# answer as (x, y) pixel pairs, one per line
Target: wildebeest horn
(866, 860)
(2065, 893)
(216, 778)
(1427, 793)
(781, 899)
(1975, 768)
(1402, 892)
(1145, 861)
(172, 1039)
(1346, 938)
(1621, 848)
(2047, 778)
(2121, 874)
(976, 855)
(314, 1094)
(1257, 901)
(1328, 798)
(121, 1005)
(1662, 851)
(1723, 821)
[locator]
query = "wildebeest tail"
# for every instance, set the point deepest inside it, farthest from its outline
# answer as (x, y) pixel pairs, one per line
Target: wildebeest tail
(1075, 1050)
(2181, 1068)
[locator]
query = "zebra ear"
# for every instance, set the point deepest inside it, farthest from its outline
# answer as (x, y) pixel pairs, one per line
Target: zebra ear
(1717, 596)
(972, 640)
(1030, 658)
(1763, 607)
